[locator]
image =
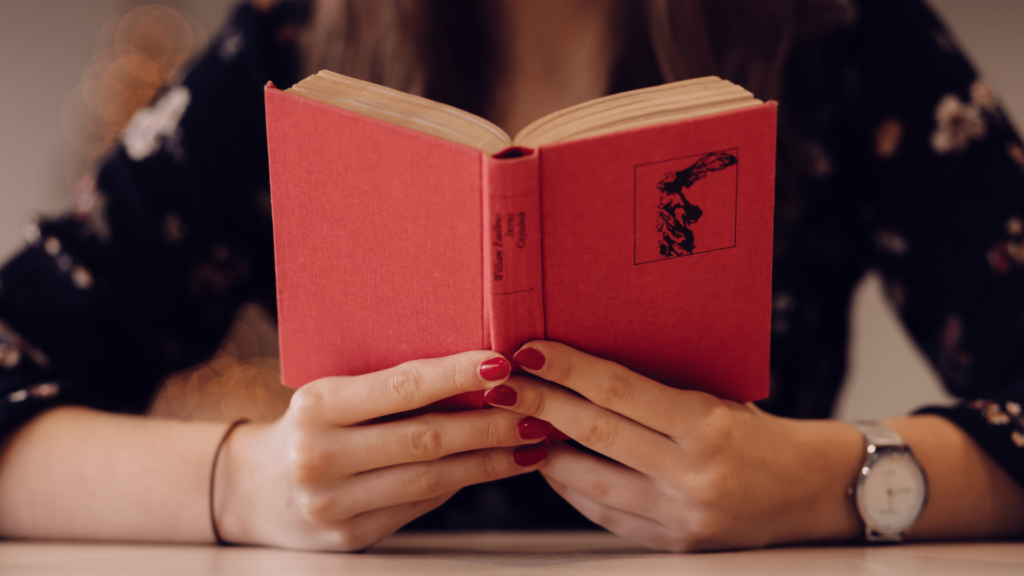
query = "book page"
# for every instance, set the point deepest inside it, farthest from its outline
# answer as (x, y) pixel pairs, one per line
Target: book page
(613, 113)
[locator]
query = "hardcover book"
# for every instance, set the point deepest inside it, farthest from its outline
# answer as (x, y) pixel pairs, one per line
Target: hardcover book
(636, 227)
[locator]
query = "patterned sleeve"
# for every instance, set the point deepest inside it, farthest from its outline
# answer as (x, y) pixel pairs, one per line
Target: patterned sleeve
(941, 171)
(144, 277)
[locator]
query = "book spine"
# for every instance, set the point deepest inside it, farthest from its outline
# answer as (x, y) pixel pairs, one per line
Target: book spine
(513, 274)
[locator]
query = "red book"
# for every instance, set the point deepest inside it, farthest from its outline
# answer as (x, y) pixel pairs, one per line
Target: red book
(636, 227)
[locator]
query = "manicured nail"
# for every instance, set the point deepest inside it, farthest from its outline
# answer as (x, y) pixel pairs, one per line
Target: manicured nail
(495, 369)
(558, 436)
(530, 358)
(501, 396)
(529, 455)
(531, 428)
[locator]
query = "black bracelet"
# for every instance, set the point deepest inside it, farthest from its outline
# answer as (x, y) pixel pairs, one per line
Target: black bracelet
(213, 477)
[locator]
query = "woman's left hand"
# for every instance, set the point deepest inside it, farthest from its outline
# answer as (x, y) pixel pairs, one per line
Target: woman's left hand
(690, 471)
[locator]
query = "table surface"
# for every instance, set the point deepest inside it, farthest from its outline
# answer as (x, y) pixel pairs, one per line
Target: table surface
(555, 553)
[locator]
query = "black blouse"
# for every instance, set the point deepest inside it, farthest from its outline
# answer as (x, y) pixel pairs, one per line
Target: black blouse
(910, 168)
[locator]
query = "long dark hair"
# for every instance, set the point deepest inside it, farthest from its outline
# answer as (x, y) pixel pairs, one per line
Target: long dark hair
(447, 50)
(427, 46)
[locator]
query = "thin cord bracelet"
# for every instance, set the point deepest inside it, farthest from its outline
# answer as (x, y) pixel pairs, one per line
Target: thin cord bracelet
(213, 477)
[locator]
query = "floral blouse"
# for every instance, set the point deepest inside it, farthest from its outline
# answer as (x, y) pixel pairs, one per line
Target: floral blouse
(910, 168)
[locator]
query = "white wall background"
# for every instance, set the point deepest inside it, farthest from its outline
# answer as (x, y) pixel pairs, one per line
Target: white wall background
(45, 46)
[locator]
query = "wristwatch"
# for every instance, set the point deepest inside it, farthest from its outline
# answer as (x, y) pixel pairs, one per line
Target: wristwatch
(891, 488)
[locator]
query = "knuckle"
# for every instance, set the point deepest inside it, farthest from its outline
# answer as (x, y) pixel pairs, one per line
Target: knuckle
(425, 442)
(595, 487)
(532, 402)
(598, 433)
(308, 461)
(314, 508)
(345, 539)
(306, 404)
(463, 376)
(425, 482)
(405, 383)
(602, 516)
(702, 529)
(493, 465)
(708, 490)
(560, 371)
(495, 433)
(676, 543)
(615, 388)
(719, 430)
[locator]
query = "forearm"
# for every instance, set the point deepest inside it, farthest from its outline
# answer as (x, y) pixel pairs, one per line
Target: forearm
(76, 473)
(969, 495)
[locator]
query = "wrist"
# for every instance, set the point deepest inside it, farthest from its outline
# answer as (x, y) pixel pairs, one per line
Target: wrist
(828, 455)
(233, 491)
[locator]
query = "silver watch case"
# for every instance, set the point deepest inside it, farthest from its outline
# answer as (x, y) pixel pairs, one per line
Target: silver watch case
(882, 442)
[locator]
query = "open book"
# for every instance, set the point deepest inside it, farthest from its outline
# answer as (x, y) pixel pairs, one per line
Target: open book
(636, 227)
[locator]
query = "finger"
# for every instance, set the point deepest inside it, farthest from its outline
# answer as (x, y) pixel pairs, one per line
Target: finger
(613, 386)
(347, 400)
(609, 483)
(642, 530)
(424, 438)
(595, 427)
(365, 530)
(425, 480)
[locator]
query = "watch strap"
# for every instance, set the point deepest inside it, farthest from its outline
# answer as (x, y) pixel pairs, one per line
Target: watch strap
(880, 435)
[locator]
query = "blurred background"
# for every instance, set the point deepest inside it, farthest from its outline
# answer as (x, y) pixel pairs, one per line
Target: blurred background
(75, 70)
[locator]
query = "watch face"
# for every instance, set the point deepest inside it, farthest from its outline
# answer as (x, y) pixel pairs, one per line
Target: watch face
(893, 493)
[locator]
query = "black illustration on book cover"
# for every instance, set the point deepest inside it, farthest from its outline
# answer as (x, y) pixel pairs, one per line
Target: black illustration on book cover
(675, 212)
(685, 205)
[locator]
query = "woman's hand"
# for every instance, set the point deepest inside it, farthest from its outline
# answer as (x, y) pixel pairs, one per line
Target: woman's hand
(326, 476)
(691, 471)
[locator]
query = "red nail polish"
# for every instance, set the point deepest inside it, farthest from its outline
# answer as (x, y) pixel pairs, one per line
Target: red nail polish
(531, 428)
(529, 455)
(495, 369)
(501, 396)
(530, 358)
(558, 436)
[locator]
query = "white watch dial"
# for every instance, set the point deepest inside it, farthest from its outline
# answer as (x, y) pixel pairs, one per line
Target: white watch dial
(893, 493)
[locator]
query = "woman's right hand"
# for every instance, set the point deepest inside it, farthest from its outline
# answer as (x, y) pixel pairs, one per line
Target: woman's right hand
(325, 476)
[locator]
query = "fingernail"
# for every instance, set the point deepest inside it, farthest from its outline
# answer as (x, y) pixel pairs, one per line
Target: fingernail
(530, 358)
(558, 436)
(501, 396)
(495, 369)
(531, 428)
(529, 455)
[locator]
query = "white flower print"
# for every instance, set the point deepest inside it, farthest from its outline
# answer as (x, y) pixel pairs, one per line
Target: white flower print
(995, 415)
(91, 208)
(142, 137)
(957, 123)
(231, 45)
(31, 230)
(982, 96)
(1015, 226)
(81, 277)
(52, 246)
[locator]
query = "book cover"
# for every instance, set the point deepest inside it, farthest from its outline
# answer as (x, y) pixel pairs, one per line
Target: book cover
(650, 247)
